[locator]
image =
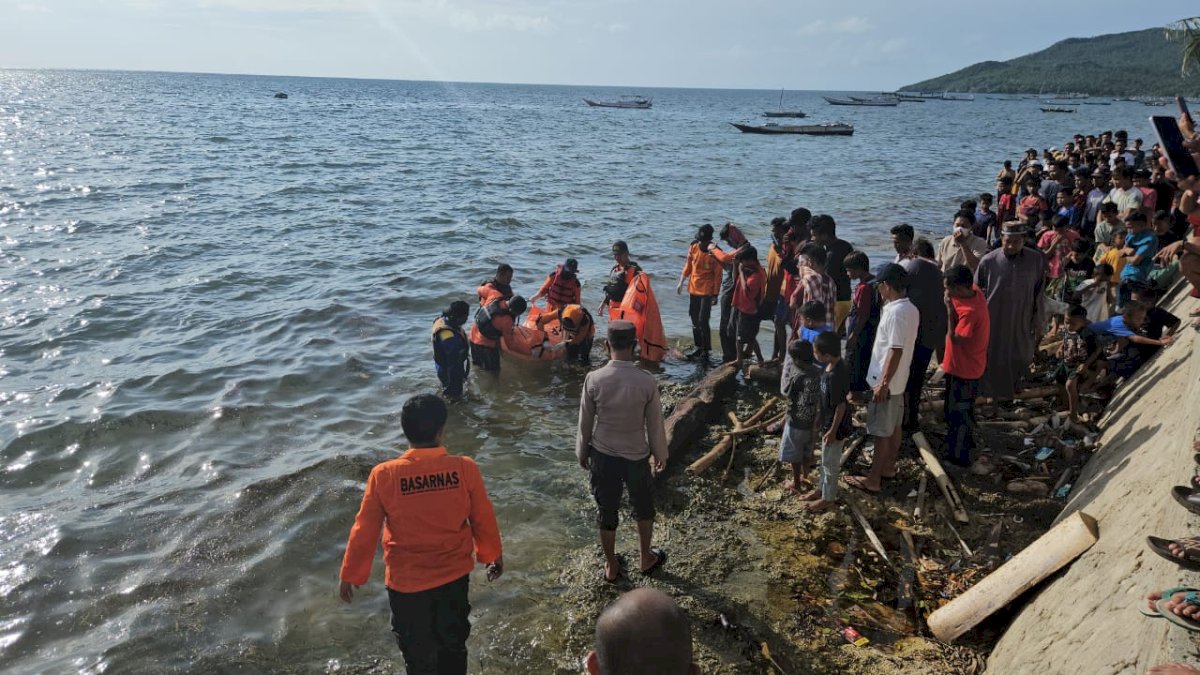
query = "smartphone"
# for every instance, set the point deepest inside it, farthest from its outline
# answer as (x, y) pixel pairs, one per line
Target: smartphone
(1183, 109)
(1171, 141)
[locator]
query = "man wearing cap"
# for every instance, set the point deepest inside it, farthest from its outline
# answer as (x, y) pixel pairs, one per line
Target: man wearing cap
(891, 359)
(1012, 279)
(619, 277)
(620, 434)
(561, 287)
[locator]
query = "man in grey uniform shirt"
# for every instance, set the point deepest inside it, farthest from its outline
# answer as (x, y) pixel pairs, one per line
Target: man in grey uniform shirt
(620, 429)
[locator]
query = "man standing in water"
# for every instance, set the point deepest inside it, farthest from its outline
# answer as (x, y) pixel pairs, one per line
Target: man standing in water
(1012, 278)
(619, 277)
(620, 428)
(436, 520)
(450, 349)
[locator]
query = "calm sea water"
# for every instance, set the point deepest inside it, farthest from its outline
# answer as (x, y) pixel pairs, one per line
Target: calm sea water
(212, 304)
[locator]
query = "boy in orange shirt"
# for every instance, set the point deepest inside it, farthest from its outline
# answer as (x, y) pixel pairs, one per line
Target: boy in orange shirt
(436, 520)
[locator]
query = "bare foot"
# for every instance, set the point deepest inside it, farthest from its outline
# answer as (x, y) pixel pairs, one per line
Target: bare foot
(819, 505)
(809, 496)
(863, 483)
(790, 486)
(612, 572)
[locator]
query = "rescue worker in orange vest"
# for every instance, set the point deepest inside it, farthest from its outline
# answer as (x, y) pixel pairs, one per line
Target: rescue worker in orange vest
(579, 331)
(451, 349)
(702, 272)
(493, 322)
(619, 277)
(437, 521)
(499, 286)
(562, 287)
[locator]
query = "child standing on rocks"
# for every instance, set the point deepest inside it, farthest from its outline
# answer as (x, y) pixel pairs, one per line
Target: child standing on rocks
(834, 419)
(802, 386)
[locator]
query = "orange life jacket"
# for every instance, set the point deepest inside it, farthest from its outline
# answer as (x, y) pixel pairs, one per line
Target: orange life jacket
(563, 286)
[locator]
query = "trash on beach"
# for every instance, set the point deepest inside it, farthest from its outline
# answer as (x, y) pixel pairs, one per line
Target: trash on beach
(1044, 454)
(1029, 442)
(854, 637)
(1063, 491)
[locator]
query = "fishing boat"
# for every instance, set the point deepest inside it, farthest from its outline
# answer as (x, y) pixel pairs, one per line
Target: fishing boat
(806, 129)
(633, 102)
(783, 113)
(952, 97)
(1057, 109)
(865, 102)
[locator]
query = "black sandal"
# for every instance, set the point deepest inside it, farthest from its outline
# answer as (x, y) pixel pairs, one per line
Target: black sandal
(662, 560)
(1191, 550)
(1187, 498)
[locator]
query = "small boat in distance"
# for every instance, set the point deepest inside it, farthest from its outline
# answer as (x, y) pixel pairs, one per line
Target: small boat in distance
(1057, 110)
(866, 102)
(807, 129)
(781, 112)
(634, 102)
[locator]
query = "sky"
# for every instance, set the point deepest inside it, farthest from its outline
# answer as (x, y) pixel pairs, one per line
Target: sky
(759, 44)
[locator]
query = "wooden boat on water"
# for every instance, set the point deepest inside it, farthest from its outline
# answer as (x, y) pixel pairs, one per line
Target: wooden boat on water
(1047, 109)
(864, 102)
(805, 129)
(783, 113)
(630, 102)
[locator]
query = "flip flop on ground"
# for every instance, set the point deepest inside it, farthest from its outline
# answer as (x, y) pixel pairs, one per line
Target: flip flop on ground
(1189, 598)
(660, 560)
(620, 570)
(860, 482)
(1187, 497)
(1150, 609)
(1189, 547)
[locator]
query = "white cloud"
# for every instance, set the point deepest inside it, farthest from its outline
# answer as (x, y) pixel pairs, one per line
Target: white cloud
(850, 25)
(892, 46)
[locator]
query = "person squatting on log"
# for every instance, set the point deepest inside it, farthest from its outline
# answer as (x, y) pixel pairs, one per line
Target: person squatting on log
(620, 429)
(436, 520)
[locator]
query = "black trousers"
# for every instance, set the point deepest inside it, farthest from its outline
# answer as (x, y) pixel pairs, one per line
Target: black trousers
(431, 628)
(580, 353)
(960, 419)
(916, 382)
(728, 338)
(485, 358)
(700, 310)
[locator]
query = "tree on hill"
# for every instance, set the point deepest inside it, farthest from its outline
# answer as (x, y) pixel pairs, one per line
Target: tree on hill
(1187, 29)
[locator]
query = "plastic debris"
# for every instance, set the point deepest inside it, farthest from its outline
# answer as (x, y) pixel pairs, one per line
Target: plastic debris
(854, 637)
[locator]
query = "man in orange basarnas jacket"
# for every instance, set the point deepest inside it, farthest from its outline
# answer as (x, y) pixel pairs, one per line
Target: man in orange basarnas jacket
(436, 520)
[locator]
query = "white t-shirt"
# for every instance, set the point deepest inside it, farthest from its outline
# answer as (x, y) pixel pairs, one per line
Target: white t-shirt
(1130, 159)
(1126, 200)
(898, 324)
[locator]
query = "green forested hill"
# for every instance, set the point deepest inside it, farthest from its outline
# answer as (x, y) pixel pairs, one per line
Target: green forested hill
(1141, 63)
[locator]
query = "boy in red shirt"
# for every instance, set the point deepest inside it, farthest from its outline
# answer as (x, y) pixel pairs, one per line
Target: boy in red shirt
(967, 330)
(436, 520)
(748, 292)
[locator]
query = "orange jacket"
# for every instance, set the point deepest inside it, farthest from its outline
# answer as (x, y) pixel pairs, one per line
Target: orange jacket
(436, 520)
(703, 270)
(502, 323)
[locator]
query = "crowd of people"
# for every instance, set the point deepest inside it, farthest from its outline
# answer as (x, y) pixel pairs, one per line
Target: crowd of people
(1083, 242)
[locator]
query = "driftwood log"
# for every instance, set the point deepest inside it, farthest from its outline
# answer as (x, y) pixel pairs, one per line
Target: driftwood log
(726, 443)
(767, 373)
(1045, 556)
(700, 406)
(939, 476)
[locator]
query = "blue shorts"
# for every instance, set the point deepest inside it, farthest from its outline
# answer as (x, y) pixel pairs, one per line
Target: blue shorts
(782, 310)
(796, 445)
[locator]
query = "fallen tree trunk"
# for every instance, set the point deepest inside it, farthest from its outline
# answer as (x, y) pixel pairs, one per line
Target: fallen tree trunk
(1045, 556)
(702, 404)
(740, 428)
(767, 373)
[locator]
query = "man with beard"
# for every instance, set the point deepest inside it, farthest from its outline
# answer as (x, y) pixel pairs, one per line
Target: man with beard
(1012, 279)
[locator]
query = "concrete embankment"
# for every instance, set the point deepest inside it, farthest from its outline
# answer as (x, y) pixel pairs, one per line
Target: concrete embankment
(1085, 620)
